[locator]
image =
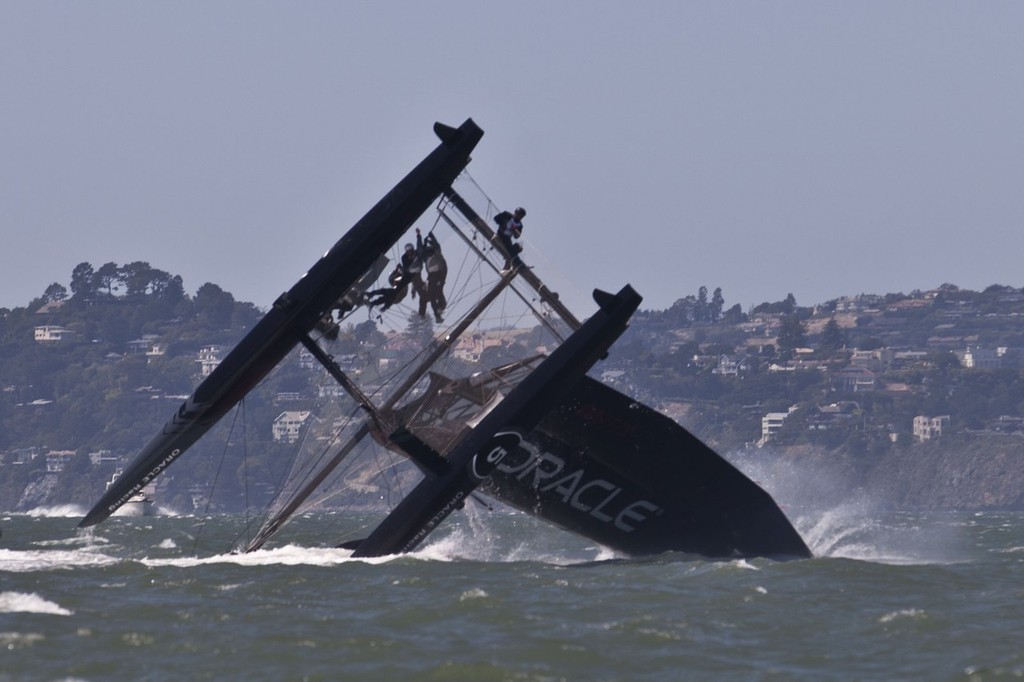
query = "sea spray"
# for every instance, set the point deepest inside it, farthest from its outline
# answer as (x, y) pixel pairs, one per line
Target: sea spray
(839, 520)
(57, 511)
(19, 602)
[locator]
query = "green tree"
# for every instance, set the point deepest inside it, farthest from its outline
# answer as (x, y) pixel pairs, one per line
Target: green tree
(702, 311)
(833, 337)
(717, 303)
(734, 315)
(214, 305)
(55, 292)
(785, 307)
(136, 277)
(83, 284)
(108, 277)
(792, 335)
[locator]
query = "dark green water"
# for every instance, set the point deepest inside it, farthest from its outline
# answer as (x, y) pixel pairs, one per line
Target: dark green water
(915, 597)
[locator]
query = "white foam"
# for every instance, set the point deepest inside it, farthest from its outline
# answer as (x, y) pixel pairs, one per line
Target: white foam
(913, 614)
(52, 559)
(457, 545)
(20, 602)
(473, 593)
(59, 511)
(473, 545)
(289, 555)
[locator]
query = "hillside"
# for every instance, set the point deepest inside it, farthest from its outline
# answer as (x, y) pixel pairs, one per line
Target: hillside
(915, 397)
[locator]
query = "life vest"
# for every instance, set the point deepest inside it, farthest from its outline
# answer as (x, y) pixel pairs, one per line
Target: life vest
(512, 227)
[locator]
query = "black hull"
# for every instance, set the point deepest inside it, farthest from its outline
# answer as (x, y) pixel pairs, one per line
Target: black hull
(613, 470)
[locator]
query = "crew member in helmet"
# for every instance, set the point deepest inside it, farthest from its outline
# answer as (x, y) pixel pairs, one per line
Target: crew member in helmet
(437, 273)
(510, 226)
(412, 264)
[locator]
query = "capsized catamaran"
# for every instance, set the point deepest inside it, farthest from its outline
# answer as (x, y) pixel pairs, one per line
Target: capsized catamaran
(463, 416)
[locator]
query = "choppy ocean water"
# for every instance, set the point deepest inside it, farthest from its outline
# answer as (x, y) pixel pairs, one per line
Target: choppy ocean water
(502, 597)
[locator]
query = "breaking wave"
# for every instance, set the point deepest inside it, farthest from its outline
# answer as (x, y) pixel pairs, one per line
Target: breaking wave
(20, 602)
(57, 511)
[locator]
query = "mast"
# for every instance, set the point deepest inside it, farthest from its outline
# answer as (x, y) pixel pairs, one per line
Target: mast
(339, 375)
(558, 334)
(547, 295)
(377, 415)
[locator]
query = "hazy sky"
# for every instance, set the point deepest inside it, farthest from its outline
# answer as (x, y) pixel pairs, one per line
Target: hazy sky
(817, 148)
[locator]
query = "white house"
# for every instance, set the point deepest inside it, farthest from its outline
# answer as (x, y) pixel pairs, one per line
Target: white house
(57, 459)
(980, 358)
(771, 423)
(288, 425)
(52, 334)
(732, 365)
(926, 428)
(209, 358)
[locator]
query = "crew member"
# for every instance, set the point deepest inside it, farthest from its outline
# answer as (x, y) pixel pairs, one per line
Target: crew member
(437, 273)
(388, 296)
(412, 264)
(510, 226)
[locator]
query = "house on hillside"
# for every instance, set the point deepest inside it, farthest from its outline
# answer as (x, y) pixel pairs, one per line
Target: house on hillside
(860, 303)
(288, 425)
(57, 459)
(21, 456)
(148, 345)
(50, 307)
(49, 333)
(874, 360)
(853, 380)
(771, 423)
(906, 359)
(208, 358)
(836, 414)
(926, 428)
(732, 365)
(470, 347)
(101, 457)
(979, 358)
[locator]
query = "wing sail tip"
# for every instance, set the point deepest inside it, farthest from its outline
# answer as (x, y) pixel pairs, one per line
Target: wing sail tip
(625, 296)
(93, 518)
(445, 133)
(450, 136)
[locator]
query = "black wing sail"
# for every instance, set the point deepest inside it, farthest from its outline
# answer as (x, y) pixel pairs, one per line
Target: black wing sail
(296, 312)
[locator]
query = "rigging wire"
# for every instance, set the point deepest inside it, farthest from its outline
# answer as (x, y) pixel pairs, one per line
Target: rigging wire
(216, 477)
(303, 469)
(307, 469)
(469, 281)
(245, 462)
